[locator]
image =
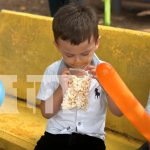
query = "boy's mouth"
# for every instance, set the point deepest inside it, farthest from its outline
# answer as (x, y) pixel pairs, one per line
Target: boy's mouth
(78, 67)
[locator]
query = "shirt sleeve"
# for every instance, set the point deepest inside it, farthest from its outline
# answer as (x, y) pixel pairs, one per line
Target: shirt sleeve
(48, 85)
(148, 104)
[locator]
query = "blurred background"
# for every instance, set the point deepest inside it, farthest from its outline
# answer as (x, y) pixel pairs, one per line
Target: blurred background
(130, 14)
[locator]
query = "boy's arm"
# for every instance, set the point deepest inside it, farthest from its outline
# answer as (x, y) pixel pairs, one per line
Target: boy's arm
(52, 105)
(114, 109)
(112, 106)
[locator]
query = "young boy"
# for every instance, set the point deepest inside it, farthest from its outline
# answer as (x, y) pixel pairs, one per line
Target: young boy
(76, 36)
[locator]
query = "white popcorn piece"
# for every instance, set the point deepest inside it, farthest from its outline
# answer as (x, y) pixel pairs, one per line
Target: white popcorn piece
(77, 93)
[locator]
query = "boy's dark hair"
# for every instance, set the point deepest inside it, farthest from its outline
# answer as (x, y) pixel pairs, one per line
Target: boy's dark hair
(75, 23)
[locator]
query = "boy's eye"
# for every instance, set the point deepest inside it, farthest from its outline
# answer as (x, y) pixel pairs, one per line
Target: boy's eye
(85, 54)
(69, 55)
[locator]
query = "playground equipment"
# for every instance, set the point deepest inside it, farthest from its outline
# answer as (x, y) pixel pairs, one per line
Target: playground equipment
(107, 12)
(115, 6)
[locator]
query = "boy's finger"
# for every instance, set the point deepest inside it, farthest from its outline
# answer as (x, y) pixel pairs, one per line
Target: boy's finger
(89, 67)
(91, 70)
(65, 71)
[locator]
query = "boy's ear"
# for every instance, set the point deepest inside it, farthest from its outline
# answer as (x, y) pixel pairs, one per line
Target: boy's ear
(56, 44)
(98, 42)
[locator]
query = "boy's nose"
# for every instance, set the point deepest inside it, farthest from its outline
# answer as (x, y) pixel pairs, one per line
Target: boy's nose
(77, 60)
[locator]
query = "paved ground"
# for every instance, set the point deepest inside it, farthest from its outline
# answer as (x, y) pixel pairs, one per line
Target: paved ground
(129, 18)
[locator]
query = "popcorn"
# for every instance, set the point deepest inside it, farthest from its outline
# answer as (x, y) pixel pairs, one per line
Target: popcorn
(77, 92)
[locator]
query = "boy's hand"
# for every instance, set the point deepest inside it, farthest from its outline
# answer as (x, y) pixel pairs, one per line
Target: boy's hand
(91, 70)
(64, 78)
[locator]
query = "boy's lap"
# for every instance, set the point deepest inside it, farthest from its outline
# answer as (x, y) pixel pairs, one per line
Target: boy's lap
(50, 142)
(69, 142)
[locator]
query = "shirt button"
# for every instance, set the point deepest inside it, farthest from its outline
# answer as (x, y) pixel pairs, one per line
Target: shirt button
(68, 128)
(79, 123)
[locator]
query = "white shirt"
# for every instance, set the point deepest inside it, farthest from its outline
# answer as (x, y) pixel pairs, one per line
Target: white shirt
(90, 122)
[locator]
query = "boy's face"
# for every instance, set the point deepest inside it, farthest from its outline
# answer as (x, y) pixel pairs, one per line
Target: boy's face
(77, 56)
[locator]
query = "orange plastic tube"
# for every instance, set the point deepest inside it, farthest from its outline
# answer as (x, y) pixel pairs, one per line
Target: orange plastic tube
(124, 99)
